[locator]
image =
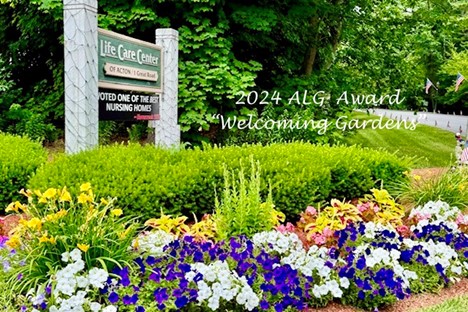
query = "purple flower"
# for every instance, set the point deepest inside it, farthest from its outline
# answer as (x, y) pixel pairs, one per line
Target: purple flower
(151, 260)
(139, 309)
(127, 300)
(361, 263)
(113, 297)
(181, 302)
(155, 277)
(48, 289)
(264, 305)
(160, 295)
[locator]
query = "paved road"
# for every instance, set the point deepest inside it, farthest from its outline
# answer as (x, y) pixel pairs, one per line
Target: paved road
(453, 123)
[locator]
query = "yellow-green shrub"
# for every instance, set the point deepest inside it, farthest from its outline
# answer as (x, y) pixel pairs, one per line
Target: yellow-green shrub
(147, 179)
(19, 159)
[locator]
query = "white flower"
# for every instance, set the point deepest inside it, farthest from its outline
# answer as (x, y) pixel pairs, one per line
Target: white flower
(344, 282)
(75, 254)
(153, 242)
(66, 257)
(94, 306)
(109, 309)
(284, 244)
(82, 282)
(97, 277)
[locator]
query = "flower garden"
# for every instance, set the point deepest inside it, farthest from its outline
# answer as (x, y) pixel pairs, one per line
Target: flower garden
(75, 250)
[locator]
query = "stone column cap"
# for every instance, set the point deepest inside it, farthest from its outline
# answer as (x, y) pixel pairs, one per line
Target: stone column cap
(167, 33)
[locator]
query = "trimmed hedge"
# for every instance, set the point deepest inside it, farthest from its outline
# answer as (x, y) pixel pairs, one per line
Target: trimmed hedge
(146, 179)
(19, 159)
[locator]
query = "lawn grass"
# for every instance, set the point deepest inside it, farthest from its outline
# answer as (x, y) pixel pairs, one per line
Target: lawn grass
(458, 304)
(430, 146)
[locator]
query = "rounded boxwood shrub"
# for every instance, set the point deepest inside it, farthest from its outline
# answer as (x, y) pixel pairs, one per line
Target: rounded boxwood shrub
(19, 159)
(146, 179)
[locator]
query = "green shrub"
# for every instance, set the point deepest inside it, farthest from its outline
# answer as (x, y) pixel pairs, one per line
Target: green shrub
(148, 179)
(450, 187)
(241, 210)
(19, 159)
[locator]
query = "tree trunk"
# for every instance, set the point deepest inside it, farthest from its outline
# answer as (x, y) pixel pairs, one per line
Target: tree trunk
(311, 55)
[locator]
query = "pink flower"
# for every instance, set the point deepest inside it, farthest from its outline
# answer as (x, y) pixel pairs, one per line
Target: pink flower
(285, 229)
(319, 239)
(363, 207)
(462, 219)
(422, 216)
(327, 232)
(311, 210)
(402, 229)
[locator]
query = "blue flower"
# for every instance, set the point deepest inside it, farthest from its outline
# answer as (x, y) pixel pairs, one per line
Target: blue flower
(139, 309)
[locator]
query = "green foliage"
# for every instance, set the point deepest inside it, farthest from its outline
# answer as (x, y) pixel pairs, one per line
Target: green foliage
(137, 131)
(450, 187)
(19, 159)
(33, 103)
(241, 210)
(428, 279)
(146, 179)
(106, 130)
(457, 304)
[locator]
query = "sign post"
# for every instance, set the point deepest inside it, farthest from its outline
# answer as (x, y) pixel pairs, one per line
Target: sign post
(81, 77)
(167, 131)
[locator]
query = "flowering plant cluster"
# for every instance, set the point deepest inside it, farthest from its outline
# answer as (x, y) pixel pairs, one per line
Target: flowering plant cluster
(318, 226)
(365, 254)
(54, 222)
(370, 264)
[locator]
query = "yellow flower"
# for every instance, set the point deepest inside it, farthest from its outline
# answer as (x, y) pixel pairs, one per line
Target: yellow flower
(11, 207)
(124, 234)
(14, 242)
(136, 244)
(55, 216)
(34, 224)
(61, 213)
(116, 212)
(416, 177)
(104, 201)
(65, 195)
(43, 238)
(50, 193)
(26, 193)
(15, 207)
(85, 187)
(84, 198)
(83, 247)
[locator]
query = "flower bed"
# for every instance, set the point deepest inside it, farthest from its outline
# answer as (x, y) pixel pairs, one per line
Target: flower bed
(366, 254)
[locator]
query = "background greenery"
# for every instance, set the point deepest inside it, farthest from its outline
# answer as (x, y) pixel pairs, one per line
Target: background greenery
(429, 146)
(359, 46)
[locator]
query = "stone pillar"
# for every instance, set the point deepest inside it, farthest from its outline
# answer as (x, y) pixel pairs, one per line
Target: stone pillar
(167, 131)
(81, 75)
